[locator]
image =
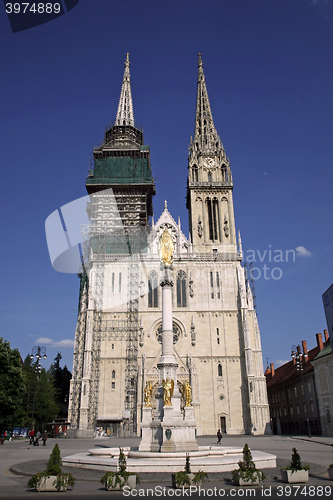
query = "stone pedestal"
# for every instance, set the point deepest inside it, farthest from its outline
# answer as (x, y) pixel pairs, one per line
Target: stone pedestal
(170, 430)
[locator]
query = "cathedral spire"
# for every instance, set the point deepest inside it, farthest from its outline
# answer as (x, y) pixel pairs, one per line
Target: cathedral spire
(125, 107)
(205, 134)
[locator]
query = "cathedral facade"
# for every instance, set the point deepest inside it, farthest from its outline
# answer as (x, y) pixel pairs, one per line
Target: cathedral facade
(118, 335)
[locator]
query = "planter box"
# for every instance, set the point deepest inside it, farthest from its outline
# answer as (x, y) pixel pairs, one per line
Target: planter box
(131, 482)
(330, 474)
(244, 482)
(191, 477)
(298, 476)
(49, 484)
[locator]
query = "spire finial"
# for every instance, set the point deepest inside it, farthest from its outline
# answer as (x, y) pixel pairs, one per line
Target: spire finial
(165, 205)
(125, 106)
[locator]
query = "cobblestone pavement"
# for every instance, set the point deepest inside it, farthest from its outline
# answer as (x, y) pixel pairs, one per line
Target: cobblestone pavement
(18, 461)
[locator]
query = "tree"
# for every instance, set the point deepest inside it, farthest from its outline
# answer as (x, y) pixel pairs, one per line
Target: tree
(39, 385)
(11, 383)
(61, 379)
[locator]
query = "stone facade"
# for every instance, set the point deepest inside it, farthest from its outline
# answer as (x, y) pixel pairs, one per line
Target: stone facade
(323, 367)
(216, 334)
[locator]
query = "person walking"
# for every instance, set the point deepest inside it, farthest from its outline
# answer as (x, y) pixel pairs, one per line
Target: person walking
(37, 438)
(44, 437)
(219, 436)
(32, 435)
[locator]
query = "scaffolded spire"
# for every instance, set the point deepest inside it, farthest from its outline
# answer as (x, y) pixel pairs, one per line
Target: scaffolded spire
(205, 133)
(125, 107)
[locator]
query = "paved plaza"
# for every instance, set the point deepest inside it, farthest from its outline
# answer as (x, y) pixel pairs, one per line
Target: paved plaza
(18, 460)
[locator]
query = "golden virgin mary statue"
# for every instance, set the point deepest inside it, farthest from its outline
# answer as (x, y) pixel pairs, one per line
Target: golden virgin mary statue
(166, 248)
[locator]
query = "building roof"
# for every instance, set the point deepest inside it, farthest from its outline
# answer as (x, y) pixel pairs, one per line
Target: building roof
(325, 351)
(288, 372)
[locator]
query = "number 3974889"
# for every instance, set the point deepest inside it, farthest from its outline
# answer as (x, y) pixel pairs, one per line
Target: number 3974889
(36, 8)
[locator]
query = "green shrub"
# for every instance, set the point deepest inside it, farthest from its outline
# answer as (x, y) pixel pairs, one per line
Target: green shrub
(296, 463)
(247, 469)
(53, 469)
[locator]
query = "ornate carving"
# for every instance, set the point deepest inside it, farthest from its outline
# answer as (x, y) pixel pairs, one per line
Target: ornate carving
(166, 248)
(226, 227)
(168, 386)
(148, 392)
(199, 227)
(190, 285)
(187, 394)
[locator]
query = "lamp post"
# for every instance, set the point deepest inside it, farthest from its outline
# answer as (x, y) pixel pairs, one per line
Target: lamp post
(38, 352)
(296, 353)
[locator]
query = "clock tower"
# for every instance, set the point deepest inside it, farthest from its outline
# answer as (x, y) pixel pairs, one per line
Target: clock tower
(209, 187)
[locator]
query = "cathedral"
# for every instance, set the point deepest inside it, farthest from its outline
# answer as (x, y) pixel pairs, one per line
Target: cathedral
(216, 337)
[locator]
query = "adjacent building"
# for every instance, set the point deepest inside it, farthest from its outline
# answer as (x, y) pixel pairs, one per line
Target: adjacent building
(293, 390)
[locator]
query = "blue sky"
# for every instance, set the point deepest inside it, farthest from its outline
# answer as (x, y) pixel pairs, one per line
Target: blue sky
(269, 73)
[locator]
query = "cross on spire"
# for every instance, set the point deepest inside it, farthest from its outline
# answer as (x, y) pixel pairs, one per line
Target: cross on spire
(125, 114)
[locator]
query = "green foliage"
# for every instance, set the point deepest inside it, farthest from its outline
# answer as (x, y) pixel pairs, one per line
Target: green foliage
(112, 479)
(247, 469)
(296, 463)
(11, 384)
(46, 408)
(199, 477)
(187, 464)
(330, 466)
(53, 465)
(61, 380)
(53, 469)
(182, 478)
(122, 464)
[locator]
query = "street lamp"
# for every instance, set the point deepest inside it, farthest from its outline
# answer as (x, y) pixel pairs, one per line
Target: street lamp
(296, 353)
(38, 352)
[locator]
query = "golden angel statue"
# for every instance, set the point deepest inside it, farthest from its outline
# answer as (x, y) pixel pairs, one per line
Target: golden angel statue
(168, 386)
(166, 248)
(147, 392)
(187, 393)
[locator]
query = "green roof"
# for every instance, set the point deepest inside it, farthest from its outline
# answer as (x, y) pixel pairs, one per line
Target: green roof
(121, 170)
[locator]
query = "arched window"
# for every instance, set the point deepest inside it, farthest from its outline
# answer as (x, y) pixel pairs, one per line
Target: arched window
(210, 218)
(152, 290)
(181, 289)
(113, 374)
(219, 370)
(209, 177)
(213, 218)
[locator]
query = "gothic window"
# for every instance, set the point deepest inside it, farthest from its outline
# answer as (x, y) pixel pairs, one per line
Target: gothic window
(210, 218)
(219, 370)
(152, 290)
(112, 281)
(209, 177)
(215, 219)
(113, 374)
(119, 282)
(212, 285)
(113, 385)
(181, 289)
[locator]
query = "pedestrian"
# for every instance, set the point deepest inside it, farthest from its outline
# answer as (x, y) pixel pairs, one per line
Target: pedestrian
(219, 436)
(44, 437)
(37, 438)
(32, 435)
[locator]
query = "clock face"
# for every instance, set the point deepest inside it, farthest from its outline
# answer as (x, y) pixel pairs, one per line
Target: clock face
(209, 162)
